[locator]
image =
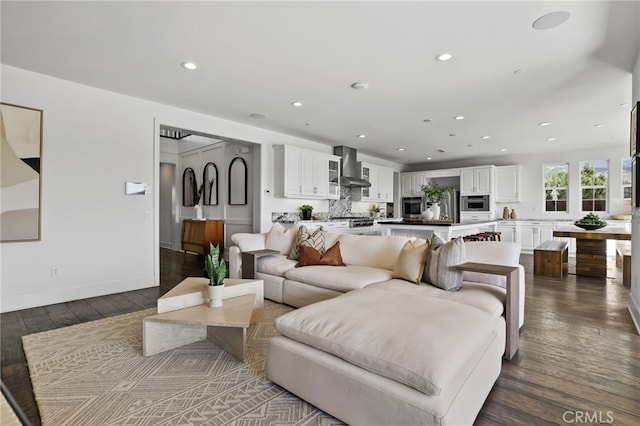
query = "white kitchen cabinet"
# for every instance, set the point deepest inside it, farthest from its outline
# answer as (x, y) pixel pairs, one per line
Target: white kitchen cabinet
(507, 180)
(532, 233)
(509, 231)
(381, 179)
(475, 217)
(299, 173)
(442, 173)
(476, 181)
(411, 182)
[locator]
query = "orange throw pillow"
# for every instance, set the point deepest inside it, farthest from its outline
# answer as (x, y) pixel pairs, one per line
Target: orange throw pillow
(310, 256)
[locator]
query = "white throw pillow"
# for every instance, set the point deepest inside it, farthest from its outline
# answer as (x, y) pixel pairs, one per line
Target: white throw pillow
(442, 256)
(411, 261)
(280, 238)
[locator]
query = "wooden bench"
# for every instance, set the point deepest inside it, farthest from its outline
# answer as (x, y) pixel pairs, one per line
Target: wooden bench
(623, 258)
(549, 257)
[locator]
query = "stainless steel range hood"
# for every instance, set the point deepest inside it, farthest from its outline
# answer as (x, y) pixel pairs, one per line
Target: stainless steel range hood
(350, 170)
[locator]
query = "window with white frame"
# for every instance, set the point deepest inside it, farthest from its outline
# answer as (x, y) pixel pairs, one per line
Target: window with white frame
(626, 185)
(594, 177)
(556, 187)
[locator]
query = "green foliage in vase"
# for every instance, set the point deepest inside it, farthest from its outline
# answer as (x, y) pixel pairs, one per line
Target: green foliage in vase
(434, 192)
(216, 267)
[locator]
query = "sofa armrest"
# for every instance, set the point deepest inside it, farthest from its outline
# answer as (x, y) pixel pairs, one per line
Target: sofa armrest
(512, 309)
(235, 262)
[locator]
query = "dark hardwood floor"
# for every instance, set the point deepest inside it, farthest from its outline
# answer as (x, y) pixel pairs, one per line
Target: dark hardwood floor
(579, 358)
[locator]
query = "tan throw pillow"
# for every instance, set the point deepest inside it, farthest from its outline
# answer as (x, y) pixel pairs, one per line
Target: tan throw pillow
(310, 256)
(313, 239)
(411, 262)
(442, 256)
(280, 238)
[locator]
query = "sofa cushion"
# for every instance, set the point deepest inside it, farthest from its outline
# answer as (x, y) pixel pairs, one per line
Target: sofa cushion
(275, 264)
(410, 263)
(280, 238)
(494, 252)
(371, 250)
(313, 239)
(351, 327)
(249, 242)
(349, 278)
(487, 298)
(442, 256)
(310, 256)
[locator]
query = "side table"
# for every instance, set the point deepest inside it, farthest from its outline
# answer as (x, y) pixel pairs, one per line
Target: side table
(250, 261)
(511, 311)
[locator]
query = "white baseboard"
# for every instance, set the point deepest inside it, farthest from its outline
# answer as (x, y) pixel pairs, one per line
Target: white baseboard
(60, 295)
(634, 310)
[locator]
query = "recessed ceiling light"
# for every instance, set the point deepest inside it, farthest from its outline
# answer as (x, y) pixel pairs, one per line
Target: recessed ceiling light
(469, 145)
(296, 104)
(400, 149)
(459, 117)
(503, 149)
(257, 115)
(360, 85)
(189, 65)
(598, 125)
(486, 137)
(427, 120)
(551, 20)
(444, 57)
(307, 124)
(544, 123)
(452, 134)
(624, 104)
(428, 158)
(552, 139)
(362, 136)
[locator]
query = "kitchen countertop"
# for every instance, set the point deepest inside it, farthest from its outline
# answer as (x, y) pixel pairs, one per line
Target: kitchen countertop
(433, 223)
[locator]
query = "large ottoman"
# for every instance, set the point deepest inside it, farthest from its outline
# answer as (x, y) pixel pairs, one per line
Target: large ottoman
(379, 357)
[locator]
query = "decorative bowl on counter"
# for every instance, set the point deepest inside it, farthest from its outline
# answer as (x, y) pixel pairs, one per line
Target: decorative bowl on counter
(588, 227)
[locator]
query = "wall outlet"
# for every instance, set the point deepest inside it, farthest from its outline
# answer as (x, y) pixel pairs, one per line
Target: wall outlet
(55, 271)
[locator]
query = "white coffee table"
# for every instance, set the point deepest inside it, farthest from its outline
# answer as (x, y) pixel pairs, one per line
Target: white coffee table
(184, 317)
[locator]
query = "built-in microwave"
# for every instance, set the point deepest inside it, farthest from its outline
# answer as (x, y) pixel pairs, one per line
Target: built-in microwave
(474, 203)
(411, 207)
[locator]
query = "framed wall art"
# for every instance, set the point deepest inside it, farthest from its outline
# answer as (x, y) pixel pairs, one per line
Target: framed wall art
(635, 130)
(20, 173)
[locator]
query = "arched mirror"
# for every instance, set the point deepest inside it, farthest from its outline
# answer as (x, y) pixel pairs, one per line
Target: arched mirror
(210, 182)
(238, 181)
(189, 187)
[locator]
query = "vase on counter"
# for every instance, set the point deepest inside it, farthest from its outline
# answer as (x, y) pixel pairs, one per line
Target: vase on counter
(505, 213)
(435, 209)
(198, 211)
(427, 214)
(513, 214)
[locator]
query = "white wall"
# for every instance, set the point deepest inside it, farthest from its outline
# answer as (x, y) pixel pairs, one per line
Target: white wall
(94, 140)
(634, 298)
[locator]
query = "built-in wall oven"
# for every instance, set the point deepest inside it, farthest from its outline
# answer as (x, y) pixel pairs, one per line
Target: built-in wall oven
(411, 207)
(474, 203)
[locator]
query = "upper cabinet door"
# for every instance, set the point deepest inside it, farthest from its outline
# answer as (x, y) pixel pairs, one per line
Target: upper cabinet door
(468, 181)
(300, 173)
(478, 181)
(507, 184)
(483, 181)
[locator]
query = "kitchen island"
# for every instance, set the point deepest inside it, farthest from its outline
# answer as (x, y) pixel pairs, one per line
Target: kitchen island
(425, 229)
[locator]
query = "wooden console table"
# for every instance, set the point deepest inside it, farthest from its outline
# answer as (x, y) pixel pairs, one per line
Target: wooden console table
(197, 234)
(512, 308)
(591, 248)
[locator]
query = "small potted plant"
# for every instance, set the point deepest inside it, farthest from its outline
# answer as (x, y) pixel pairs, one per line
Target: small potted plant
(306, 211)
(374, 210)
(216, 269)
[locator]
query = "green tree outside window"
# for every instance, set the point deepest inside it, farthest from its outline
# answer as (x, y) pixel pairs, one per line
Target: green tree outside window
(594, 177)
(556, 185)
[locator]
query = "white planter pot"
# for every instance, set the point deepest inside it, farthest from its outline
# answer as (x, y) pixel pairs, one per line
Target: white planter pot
(216, 292)
(435, 209)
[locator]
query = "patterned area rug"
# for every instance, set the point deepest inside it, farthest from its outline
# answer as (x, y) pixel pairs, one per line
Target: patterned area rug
(94, 374)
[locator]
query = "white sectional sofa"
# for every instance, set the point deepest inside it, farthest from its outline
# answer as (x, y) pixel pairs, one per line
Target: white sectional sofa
(387, 351)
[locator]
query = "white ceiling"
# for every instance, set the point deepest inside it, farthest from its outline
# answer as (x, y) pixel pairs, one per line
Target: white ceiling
(505, 77)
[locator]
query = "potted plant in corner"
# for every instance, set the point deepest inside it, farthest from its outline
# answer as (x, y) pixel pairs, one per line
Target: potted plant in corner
(216, 269)
(306, 211)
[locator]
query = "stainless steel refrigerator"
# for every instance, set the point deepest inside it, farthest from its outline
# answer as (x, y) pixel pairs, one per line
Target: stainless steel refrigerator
(450, 206)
